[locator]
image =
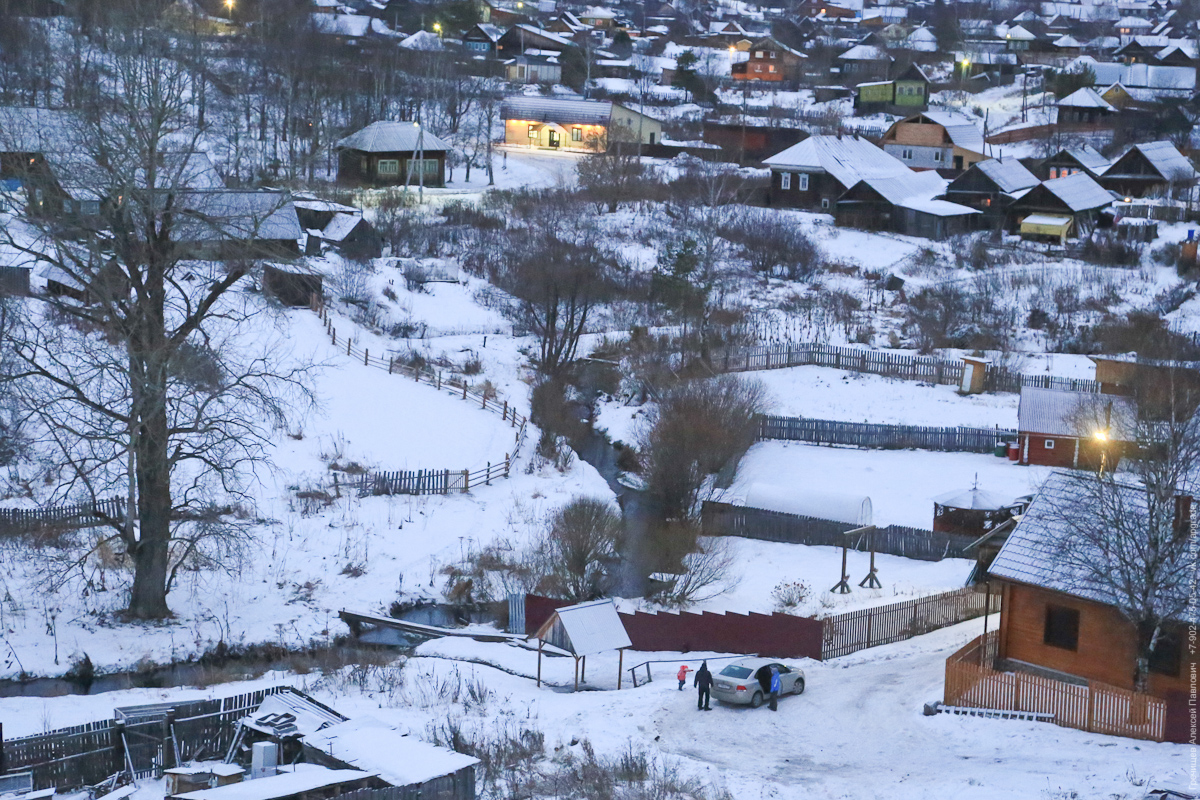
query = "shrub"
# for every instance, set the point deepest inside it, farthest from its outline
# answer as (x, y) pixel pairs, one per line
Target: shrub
(789, 595)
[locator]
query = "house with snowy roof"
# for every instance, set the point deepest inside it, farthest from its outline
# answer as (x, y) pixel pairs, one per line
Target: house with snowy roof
(769, 60)
(1059, 208)
(1071, 160)
(534, 66)
(816, 172)
(481, 39)
(1076, 430)
(990, 187)
(907, 203)
(866, 60)
(389, 153)
(546, 122)
(1085, 107)
(907, 93)
(1060, 616)
(522, 37)
(941, 140)
(1150, 169)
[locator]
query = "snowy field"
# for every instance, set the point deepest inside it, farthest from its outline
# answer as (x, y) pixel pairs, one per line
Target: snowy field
(857, 731)
(900, 483)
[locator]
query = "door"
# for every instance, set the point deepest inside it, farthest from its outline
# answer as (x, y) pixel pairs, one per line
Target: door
(958, 162)
(554, 138)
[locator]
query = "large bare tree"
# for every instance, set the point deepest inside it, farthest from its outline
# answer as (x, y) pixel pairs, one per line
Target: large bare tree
(145, 369)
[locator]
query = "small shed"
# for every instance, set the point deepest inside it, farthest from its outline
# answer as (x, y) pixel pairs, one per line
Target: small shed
(306, 782)
(181, 780)
(970, 512)
(1046, 227)
(582, 630)
(291, 288)
(1079, 430)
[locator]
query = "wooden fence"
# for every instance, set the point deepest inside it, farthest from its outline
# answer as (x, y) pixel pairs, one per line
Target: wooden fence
(78, 515)
(904, 366)
(725, 519)
(430, 481)
(892, 437)
(141, 743)
(972, 682)
(870, 627)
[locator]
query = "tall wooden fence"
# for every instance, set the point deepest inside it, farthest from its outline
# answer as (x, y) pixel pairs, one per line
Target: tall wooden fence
(972, 682)
(870, 627)
(725, 519)
(430, 481)
(77, 515)
(142, 740)
(888, 437)
(929, 369)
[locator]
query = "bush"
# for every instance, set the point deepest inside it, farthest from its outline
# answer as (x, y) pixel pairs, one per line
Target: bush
(774, 245)
(789, 595)
(580, 550)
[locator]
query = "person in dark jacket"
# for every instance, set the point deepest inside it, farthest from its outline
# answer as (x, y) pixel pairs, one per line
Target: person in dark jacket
(776, 688)
(703, 681)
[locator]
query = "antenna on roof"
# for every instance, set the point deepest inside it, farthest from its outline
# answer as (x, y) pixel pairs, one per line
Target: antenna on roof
(976, 486)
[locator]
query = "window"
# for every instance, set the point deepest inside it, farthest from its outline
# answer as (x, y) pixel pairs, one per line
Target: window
(533, 132)
(771, 68)
(758, 67)
(1062, 627)
(577, 134)
(1167, 654)
(389, 166)
(771, 54)
(785, 181)
(758, 54)
(416, 166)
(824, 202)
(906, 154)
(937, 155)
(90, 208)
(1049, 444)
(1053, 173)
(803, 184)
(734, 671)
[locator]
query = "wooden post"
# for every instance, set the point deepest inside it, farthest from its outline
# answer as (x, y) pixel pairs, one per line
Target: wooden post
(484, 395)
(539, 677)
(366, 358)
(118, 747)
(333, 333)
(986, 608)
(464, 390)
(620, 669)
(391, 363)
(488, 478)
(583, 674)
(347, 345)
(466, 480)
(507, 463)
(1091, 710)
(504, 414)
(843, 586)
(576, 673)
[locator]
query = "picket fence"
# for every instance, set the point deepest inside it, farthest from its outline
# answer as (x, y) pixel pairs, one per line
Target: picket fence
(15, 521)
(864, 434)
(870, 627)
(928, 369)
(429, 481)
(972, 682)
(725, 519)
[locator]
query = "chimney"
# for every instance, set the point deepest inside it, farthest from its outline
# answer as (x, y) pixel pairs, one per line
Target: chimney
(1182, 524)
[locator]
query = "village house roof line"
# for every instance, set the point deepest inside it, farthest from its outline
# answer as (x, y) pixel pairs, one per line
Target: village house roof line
(391, 137)
(1079, 192)
(961, 129)
(1164, 157)
(368, 744)
(1009, 175)
(1085, 97)
(865, 52)
(554, 110)
(974, 499)
(593, 627)
(848, 159)
(1056, 412)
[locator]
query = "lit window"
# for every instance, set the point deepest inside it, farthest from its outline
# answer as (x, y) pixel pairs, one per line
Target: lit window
(758, 54)
(389, 166)
(803, 183)
(533, 132)
(1049, 444)
(1053, 173)
(785, 181)
(771, 68)
(576, 134)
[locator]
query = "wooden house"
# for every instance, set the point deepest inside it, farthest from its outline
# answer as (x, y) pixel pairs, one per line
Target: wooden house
(543, 122)
(769, 61)
(1078, 430)
(749, 141)
(943, 140)
(1084, 107)
(392, 153)
(869, 61)
(1055, 623)
(1064, 207)
(816, 172)
(522, 37)
(481, 39)
(229, 224)
(907, 93)
(1150, 169)
(1070, 161)
(990, 187)
(905, 204)
(534, 66)
(1162, 388)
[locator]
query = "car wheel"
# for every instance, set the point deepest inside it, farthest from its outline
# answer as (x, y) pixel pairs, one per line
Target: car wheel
(798, 688)
(756, 701)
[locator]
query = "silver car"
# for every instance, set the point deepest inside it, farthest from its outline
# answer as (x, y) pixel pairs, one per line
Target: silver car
(747, 681)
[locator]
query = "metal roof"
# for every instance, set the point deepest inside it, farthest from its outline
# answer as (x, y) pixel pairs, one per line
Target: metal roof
(974, 499)
(237, 214)
(392, 137)
(586, 628)
(561, 112)
(286, 784)
(1055, 412)
(1079, 192)
(1009, 175)
(1165, 158)
(1085, 97)
(1088, 157)
(368, 744)
(291, 714)
(961, 129)
(1036, 550)
(849, 159)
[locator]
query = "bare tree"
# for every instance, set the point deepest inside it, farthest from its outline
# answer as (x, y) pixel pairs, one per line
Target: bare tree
(610, 176)
(697, 567)
(583, 540)
(140, 369)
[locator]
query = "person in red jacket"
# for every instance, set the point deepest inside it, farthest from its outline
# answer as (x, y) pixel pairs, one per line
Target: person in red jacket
(684, 669)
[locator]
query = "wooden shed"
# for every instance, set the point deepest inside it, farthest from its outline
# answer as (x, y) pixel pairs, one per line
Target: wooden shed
(582, 630)
(307, 782)
(970, 512)
(291, 288)
(1079, 430)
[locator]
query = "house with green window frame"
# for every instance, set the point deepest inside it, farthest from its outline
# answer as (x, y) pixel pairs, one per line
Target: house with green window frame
(392, 154)
(909, 92)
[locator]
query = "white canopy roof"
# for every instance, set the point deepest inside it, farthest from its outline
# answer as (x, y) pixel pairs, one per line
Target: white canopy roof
(851, 509)
(590, 628)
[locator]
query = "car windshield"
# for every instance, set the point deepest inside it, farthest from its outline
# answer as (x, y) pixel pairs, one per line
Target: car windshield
(734, 671)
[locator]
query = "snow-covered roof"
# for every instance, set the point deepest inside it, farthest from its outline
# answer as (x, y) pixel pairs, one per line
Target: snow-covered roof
(1085, 97)
(1067, 41)
(850, 509)
(1133, 24)
(961, 129)
(554, 37)
(392, 137)
(865, 52)
(1019, 33)
(492, 32)
(351, 25)
(368, 744)
(423, 40)
(309, 779)
(237, 214)
(599, 12)
(1055, 412)
(1046, 220)
(340, 226)
(848, 159)
(921, 39)
(1079, 192)
(291, 714)
(1089, 158)
(1009, 175)
(1034, 553)
(1165, 158)
(37, 130)
(590, 628)
(552, 109)
(974, 499)
(1147, 76)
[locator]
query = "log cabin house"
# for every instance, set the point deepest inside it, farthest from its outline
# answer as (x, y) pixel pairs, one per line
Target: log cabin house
(1077, 430)
(392, 153)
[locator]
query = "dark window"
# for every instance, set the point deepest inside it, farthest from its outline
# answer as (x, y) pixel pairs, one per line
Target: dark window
(1166, 656)
(1049, 444)
(1062, 627)
(733, 671)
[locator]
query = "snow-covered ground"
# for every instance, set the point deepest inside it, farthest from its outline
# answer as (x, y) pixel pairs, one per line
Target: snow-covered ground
(857, 731)
(900, 483)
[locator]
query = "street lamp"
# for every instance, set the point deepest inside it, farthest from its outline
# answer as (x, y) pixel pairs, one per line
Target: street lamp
(437, 28)
(229, 6)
